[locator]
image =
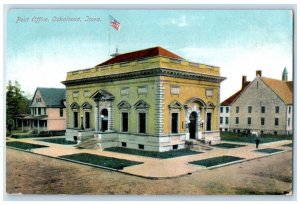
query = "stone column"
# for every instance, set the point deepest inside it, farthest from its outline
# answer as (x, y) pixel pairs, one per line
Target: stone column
(110, 117)
(159, 107)
(199, 121)
(96, 115)
(67, 117)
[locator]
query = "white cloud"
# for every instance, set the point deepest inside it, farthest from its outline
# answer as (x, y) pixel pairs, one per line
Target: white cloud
(180, 22)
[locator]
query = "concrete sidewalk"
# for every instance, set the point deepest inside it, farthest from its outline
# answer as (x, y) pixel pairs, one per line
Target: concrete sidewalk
(162, 168)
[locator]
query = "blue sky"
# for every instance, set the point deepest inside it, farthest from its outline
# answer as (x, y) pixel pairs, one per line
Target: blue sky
(239, 41)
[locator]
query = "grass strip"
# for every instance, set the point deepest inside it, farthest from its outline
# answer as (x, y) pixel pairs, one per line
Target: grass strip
(24, 146)
(160, 155)
(216, 161)
(102, 161)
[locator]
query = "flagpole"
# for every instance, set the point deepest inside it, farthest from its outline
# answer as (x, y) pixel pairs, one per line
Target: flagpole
(108, 36)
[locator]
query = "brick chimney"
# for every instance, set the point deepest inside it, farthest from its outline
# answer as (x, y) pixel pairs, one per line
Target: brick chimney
(258, 72)
(244, 80)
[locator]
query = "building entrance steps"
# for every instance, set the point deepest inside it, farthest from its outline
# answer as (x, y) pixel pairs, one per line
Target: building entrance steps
(197, 145)
(89, 143)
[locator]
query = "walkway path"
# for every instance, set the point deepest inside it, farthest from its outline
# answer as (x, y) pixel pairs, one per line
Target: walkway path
(161, 168)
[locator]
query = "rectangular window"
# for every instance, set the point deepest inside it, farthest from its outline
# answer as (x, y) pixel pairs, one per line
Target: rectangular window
(237, 109)
(142, 90)
(209, 92)
(237, 120)
(227, 109)
(262, 109)
(276, 121)
(87, 119)
(124, 91)
(87, 93)
(61, 112)
(249, 109)
(75, 94)
(175, 89)
(39, 111)
(221, 109)
(124, 122)
(221, 120)
(262, 121)
(277, 109)
(226, 120)
(75, 118)
(249, 120)
(142, 122)
(290, 109)
(174, 125)
(208, 122)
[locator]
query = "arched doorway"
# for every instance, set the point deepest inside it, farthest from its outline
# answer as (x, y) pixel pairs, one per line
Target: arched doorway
(193, 125)
(104, 120)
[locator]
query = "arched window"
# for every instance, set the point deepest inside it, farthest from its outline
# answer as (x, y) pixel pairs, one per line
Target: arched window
(104, 119)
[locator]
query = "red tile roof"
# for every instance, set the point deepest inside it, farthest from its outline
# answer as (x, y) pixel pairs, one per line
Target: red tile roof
(232, 98)
(290, 85)
(146, 53)
(283, 89)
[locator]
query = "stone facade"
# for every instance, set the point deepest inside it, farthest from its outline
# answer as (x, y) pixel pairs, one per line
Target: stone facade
(265, 105)
(224, 118)
(149, 102)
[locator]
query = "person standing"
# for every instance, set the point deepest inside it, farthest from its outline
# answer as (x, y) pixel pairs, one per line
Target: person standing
(257, 140)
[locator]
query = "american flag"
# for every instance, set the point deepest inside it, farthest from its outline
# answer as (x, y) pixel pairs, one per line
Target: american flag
(114, 23)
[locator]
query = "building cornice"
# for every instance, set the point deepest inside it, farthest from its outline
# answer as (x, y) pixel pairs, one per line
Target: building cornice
(146, 73)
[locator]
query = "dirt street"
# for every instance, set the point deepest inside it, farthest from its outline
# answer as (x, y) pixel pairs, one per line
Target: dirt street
(34, 174)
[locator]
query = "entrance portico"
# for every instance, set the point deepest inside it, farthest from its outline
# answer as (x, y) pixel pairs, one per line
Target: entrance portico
(103, 111)
(193, 118)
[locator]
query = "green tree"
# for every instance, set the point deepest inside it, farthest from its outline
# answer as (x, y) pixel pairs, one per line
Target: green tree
(16, 103)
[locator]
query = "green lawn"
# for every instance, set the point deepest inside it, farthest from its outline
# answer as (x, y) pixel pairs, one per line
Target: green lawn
(58, 141)
(228, 145)
(161, 155)
(22, 136)
(268, 150)
(288, 145)
(216, 161)
(102, 161)
(24, 146)
(239, 137)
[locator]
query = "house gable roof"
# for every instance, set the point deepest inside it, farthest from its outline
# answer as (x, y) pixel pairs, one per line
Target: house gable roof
(53, 97)
(234, 97)
(146, 53)
(283, 89)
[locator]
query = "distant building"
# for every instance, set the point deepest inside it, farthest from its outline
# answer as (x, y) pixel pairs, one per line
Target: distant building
(47, 111)
(264, 104)
(150, 99)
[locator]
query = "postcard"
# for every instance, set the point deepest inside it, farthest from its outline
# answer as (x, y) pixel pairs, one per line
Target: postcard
(186, 102)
